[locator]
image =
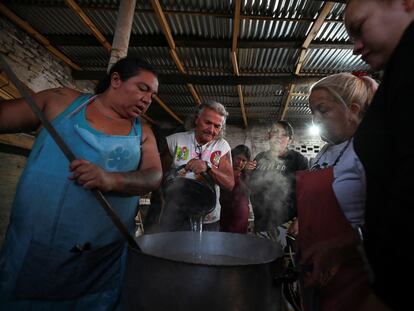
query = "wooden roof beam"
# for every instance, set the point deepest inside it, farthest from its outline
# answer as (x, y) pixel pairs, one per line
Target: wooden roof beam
(233, 55)
(171, 43)
(312, 33)
(236, 25)
(89, 24)
(326, 8)
(163, 23)
(166, 108)
(149, 120)
(9, 91)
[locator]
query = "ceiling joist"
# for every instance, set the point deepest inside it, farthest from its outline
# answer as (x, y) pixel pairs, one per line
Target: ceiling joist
(233, 55)
(326, 8)
(166, 108)
(89, 24)
(167, 33)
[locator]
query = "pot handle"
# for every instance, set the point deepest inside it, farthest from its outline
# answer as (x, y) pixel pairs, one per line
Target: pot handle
(208, 179)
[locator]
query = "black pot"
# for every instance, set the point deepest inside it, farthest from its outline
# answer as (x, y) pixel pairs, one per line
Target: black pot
(219, 271)
(184, 197)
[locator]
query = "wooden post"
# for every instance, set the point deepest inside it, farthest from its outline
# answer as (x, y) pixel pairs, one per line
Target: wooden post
(122, 31)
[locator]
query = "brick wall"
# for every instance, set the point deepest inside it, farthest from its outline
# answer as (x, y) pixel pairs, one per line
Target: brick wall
(34, 64)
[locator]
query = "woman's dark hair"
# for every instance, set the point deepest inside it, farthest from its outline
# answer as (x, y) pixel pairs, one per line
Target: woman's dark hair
(126, 68)
(241, 149)
(287, 127)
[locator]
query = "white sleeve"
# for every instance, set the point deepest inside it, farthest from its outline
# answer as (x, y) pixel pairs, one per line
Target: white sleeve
(225, 148)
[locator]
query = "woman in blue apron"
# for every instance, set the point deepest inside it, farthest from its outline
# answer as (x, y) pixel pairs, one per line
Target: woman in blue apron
(62, 252)
(331, 199)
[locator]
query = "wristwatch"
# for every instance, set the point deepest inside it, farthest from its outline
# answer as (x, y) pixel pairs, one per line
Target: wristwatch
(208, 166)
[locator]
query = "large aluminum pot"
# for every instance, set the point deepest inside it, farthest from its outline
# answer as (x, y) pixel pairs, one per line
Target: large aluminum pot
(213, 271)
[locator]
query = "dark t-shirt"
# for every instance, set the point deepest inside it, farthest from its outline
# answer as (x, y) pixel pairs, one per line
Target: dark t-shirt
(272, 186)
(384, 142)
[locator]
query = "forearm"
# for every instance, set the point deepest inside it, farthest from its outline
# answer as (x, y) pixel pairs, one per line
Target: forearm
(136, 183)
(224, 180)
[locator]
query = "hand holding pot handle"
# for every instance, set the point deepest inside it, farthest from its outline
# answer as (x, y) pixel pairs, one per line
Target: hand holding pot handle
(196, 166)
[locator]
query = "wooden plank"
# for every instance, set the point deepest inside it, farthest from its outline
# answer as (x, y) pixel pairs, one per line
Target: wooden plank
(194, 94)
(24, 141)
(88, 22)
(242, 108)
(163, 23)
(167, 109)
(236, 25)
(326, 8)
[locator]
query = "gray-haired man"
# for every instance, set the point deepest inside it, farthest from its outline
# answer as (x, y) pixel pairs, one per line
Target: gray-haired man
(200, 150)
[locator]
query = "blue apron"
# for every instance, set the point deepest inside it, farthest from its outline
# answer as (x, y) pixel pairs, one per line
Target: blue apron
(62, 252)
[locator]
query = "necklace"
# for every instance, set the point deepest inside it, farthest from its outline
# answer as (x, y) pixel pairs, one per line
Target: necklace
(199, 148)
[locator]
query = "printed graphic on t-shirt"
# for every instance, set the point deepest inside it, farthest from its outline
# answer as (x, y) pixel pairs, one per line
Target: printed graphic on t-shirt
(215, 157)
(271, 165)
(181, 153)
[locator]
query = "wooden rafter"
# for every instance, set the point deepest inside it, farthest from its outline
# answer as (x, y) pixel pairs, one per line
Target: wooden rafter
(162, 104)
(17, 140)
(163, 23)
(101, 38)
(236, 70)
(37, 36)
(149, 120)
(88, 22)
(9, 91)
(171, 43)
(286, 99)
(326, 8)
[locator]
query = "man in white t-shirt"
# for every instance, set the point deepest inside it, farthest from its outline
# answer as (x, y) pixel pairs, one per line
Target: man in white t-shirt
(200, 150)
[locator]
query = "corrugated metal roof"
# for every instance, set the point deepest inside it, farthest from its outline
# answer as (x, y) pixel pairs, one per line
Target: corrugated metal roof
(206, 61)
(271, 31)
(328, 61)
(266, 61)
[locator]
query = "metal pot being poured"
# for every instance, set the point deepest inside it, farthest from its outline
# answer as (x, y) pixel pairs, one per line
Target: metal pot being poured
(187, 195)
